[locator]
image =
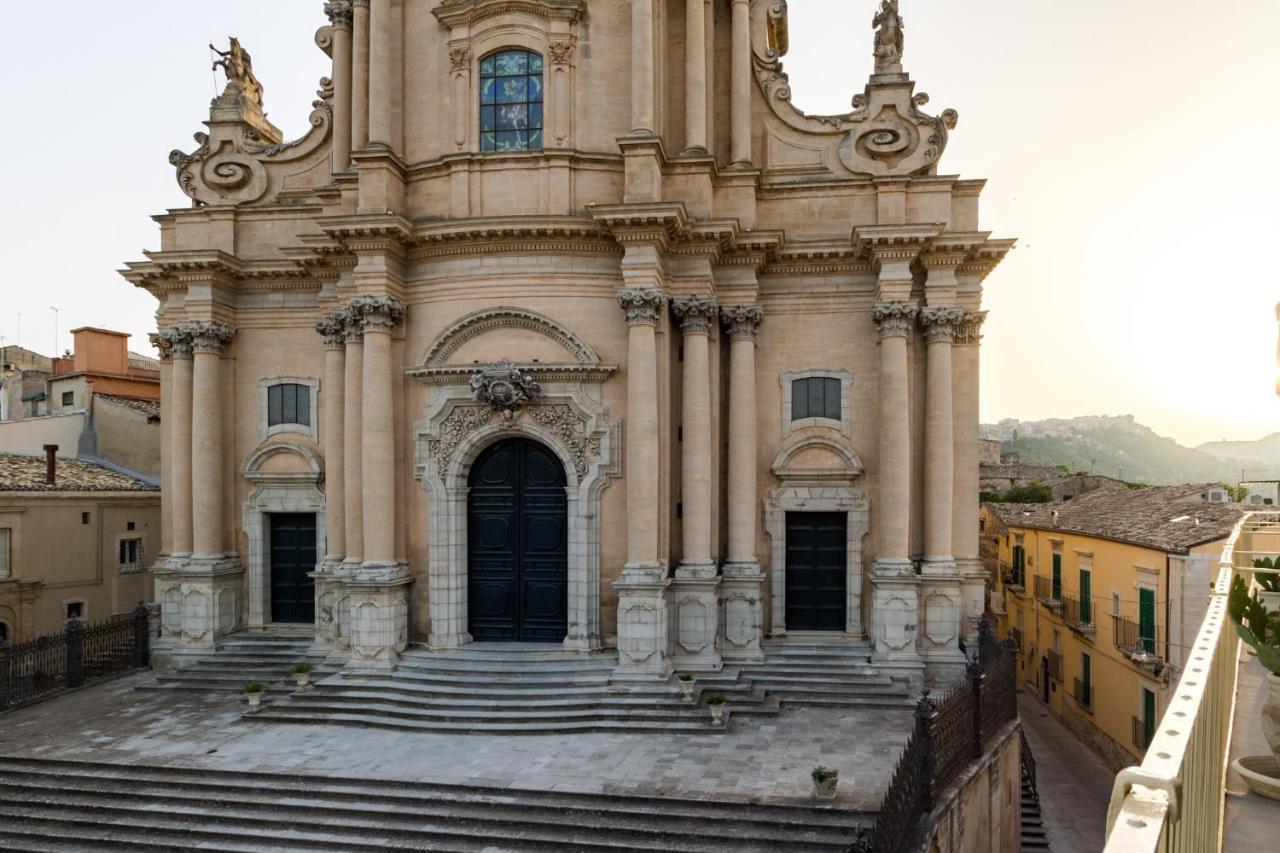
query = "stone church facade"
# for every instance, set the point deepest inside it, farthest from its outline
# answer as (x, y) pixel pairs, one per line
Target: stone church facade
(561, 324)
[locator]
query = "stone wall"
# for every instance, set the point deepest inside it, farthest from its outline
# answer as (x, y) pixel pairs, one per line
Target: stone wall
(29, 436)
(982, 811)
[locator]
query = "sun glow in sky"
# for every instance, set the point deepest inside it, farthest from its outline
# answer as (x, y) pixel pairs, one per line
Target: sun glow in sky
(1128, 144)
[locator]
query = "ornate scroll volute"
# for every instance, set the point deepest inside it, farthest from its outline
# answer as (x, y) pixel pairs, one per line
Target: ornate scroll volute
(504, 388)
(244, 158)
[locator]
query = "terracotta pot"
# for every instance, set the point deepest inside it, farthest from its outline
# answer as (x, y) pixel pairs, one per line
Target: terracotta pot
(686, 690)
(1271, 715)
(826, 789)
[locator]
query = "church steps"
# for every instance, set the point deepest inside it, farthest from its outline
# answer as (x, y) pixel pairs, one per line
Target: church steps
(513, 680)
(288, 714)
(505, 667)
(497, 702)
(512, 714)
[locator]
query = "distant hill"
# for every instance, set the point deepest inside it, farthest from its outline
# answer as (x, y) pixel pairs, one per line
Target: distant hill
(1121, 447)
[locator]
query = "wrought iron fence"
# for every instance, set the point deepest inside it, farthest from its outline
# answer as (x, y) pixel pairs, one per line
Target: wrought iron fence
(1028, 769)
(949, 734)
(46, 666)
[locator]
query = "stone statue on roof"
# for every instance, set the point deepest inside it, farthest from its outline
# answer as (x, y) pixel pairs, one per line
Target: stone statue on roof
(238, 66)
(888, 46)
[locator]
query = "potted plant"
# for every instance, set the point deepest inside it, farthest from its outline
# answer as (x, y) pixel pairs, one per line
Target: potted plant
(686, 686)
(1268, 581)
(715, 704)
(1260, 628)
(253, 692)
(301, 673)
(824, 783)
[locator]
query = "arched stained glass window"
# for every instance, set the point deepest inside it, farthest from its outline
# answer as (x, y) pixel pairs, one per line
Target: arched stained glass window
(511, 101)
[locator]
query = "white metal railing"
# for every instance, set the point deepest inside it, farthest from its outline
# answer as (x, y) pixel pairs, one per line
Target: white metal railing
(1173, 802)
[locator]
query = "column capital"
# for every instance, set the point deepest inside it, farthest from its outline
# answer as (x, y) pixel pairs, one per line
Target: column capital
(742, 321)
(359, 4)
(969, 330)
(895, 318)
(695, 313)
(333, 326)
(339, 13)
(940, 323)
(641, 305)
(208, 336)
(163, 340)
(460, 57)
(375, 313)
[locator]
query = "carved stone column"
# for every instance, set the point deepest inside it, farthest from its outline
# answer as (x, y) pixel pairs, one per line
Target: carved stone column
(209, 337)
(352, 446)
(460, 71)
(339, 13)
(740, 85)
(180, 445)
(333, 404)
(163, 342)
(894, 607)
(359, 74)
(642, 101)
(695, 81)
(642, 588)
(379, 315)
(696, 583)
(939, 437)
(965, 354)
(380, 49)
(741, 590)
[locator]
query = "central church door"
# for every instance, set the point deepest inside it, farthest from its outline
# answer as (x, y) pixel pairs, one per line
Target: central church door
(817, 547)
(517, 544)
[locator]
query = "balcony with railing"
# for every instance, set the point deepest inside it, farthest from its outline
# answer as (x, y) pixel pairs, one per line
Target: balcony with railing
(1055, 665)
(1138, 645)
(1082, 692)
(1078, 614)
(1175, 801)
(1046, 594)
(1012, 579)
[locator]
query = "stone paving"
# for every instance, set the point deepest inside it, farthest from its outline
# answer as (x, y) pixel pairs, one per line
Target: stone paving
(756, 760)
(1074, 784)
(1251, 821)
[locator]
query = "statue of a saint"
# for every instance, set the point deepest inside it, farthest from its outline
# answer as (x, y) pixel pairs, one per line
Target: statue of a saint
(238, 66)
(888, 26)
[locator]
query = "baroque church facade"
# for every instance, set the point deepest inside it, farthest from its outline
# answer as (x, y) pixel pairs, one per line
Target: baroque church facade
(561, 324)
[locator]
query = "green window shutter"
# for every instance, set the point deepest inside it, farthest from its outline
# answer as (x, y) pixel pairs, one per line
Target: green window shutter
(1149, 714)
(1086, 601)
(1086, 671)
(1147, 619)
(1057, 577)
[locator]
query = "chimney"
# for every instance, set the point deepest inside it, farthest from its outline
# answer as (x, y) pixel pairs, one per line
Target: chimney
(50, 464)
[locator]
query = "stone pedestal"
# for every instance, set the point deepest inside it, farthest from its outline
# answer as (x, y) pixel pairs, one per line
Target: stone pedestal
(895, 613)
(199, 606)
(379, 619)
(642, 623)
(742, 613)
(941, 620)
(695, 608)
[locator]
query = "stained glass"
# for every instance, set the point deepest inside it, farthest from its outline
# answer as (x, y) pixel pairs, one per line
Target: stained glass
(511, 97)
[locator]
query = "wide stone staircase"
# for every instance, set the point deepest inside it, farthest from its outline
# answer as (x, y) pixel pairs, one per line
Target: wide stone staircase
(243, 658)
(48, 805)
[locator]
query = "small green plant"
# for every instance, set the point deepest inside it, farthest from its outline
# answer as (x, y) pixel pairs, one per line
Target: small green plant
(252, 687)
(1254, 624)
(1270, 581)
(821, 774)
(717, 699)
(300, 668)
(684, 676)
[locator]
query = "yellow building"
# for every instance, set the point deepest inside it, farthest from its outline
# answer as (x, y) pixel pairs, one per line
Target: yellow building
(1103, 595)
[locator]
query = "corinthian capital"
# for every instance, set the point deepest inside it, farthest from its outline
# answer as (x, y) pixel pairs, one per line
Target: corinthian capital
(208, 335)
(333, 326)
(969, 330)
(376, 313)
(895, 318)
(163, 340)
(695, 313)
(940, 323)
(742, 321)
(339, 12)
(641, 305)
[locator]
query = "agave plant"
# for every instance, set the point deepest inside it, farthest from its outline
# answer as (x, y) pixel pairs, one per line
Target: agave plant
(1255, 625)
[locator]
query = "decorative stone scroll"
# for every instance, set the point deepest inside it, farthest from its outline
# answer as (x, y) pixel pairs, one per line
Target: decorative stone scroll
(895, 318)
(940, 323)
(504, 388)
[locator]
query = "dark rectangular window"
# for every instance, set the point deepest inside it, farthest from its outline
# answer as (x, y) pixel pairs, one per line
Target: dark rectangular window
(1057, 577)
(68, 398)
(75, 609)
(84, 518)
(130, 553)
(288, 403)
(815, 397)
(1147, 619)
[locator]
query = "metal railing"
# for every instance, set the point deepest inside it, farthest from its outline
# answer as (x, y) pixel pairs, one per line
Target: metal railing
(1174, 801)
(1044, 593)
(1078, 614)
(1083, 694)
(46, 666)
(1128, 637)
(949, 734)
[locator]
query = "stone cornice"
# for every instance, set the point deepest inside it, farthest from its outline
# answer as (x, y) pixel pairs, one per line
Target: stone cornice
(951, 249)
(522, 234)
(894, 242)
(460, 374)
(986, 257)
(456, 13)
(660, 223)
(389, 233)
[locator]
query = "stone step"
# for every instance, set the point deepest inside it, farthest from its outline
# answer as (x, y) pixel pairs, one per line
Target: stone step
(427, 700)
(772, 681)
(503, 653)
(515, 680)
(311, 703)
(284, 714)
(480, 667)
(429, 689)
(115, 799)
(850, 675)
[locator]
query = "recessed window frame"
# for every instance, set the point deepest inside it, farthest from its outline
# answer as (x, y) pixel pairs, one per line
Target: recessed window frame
(137, 552)
(844, 424)
(313, 407)
(6, 552)
(83, 605)
(488, 102)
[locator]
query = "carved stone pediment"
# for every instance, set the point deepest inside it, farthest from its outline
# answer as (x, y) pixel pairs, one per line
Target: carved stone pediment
(503, 388)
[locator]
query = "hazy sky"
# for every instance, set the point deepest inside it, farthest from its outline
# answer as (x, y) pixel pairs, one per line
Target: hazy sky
(1127, 143)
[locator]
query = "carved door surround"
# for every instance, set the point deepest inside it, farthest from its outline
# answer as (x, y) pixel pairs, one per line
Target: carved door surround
(832, 485)
(479, 27)
(277, 488)
(562, 408)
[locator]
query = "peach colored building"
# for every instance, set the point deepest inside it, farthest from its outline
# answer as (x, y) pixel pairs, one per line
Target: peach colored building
(616, 347)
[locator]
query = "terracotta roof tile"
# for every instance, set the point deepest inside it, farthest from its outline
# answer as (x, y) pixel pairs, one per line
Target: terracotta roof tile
(26, 474)
(150, 408)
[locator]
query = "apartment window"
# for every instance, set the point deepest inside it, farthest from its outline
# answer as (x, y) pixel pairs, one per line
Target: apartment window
(815, 397)
(288, 403)
(1144, 725)
(511, 101)
(1147, 619)
(75, 609)
(1086, 597)
(130, 555)
(1115, 603)
(84, 518)
(1019, 566)
(68, 398)
(1084, 689)
(1057, 577)
(6, 566)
